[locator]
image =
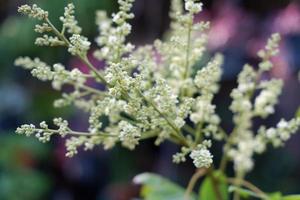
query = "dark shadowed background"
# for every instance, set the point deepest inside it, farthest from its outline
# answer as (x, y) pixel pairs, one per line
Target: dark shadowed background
(30, 170)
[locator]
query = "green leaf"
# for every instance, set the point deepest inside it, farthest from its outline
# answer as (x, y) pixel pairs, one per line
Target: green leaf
(208, 187)
(275, 196)
(156, 187)
(292, 197)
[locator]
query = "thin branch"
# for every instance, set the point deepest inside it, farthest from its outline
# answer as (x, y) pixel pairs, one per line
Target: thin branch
(248, 185)
(77, 133)
(198, 174)
(169, 122)
(83, 58)
(215, 185)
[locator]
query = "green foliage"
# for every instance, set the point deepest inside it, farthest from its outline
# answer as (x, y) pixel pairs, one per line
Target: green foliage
(18, 178)
(209, 187)
(155, 187)
(292, 197)
(275, 196)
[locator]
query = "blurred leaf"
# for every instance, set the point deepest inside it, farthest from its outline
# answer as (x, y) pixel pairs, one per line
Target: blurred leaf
(298, 112)
(275, 196)
(207, 190)
(19, 151)
(23, 184)
(19, 179)
(156, 187)
(292, 197)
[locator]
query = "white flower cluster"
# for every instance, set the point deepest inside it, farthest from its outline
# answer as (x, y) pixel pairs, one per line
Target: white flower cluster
(184, 46)
(57, 74)
(201, 155)
(266, 100)
(113, 33)
(181, 156)
(33, 11)
(48, 41)
(193, 7)
(207, 78)
(73, 143)
(69, 21)
(243, 143)
(79, 45)
(44, 133)
(129, 135)
(283, 131)
(151, 91)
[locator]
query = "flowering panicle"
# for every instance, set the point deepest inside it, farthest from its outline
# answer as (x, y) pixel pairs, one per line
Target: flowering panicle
(113, 33)
(57, 74)
(206, 79)
(44, 133)
(33, 11)
(283, 131)
(153, 91)
(69, 21)
(266, 100)
(185, 45)
(49, 41)
(244, 110)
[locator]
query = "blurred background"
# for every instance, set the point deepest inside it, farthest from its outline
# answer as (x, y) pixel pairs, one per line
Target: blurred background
(30, 170)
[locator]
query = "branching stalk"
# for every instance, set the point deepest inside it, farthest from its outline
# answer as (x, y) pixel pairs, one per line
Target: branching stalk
(196, 176)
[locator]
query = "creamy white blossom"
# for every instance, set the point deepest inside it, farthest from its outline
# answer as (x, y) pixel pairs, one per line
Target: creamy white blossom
(79, 45)
(69, 21)
(155, 91)
(33, 11)
(201, 155)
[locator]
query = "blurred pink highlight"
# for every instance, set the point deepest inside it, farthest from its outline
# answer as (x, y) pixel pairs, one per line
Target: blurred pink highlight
(288, 20)
(224, 26)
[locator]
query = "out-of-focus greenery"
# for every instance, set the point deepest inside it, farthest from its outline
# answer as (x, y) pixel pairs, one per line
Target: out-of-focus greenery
(156, 187)
(19, 176)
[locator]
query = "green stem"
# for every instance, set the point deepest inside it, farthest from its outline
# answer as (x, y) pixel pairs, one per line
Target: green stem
(86, 61)
(77, 133)
(215, 185)
(238, 183)
(249, 186)
(92, 90)
(177, 132)
(189, 129)
(82, 57)
(198, 133)
(187, 57)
